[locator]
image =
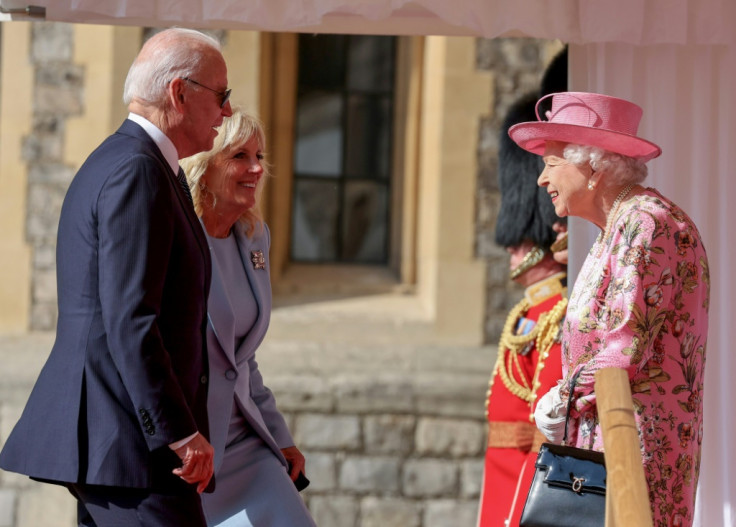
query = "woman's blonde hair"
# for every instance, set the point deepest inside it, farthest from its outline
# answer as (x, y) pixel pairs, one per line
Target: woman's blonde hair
(234, 132)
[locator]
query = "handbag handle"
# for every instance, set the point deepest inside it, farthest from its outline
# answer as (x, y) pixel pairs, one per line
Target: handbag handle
(573, 382)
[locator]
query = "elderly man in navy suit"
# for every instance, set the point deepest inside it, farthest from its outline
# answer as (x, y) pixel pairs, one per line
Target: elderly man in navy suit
(118, 414)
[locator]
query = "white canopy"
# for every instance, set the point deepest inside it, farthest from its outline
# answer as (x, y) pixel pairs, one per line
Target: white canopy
(675, 58)
(575, 21)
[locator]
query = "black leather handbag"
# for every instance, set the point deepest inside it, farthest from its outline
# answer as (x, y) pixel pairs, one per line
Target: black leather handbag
(569, 485)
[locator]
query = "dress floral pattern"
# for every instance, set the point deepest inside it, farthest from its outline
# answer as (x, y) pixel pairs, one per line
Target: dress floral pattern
(642, 305)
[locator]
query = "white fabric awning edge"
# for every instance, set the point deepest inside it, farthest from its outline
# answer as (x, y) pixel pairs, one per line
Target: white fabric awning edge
(640, 22)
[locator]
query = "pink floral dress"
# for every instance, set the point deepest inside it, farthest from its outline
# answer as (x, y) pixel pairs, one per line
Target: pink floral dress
(642, 305)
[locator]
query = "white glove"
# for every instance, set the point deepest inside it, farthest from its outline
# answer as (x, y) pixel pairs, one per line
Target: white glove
(550, 414)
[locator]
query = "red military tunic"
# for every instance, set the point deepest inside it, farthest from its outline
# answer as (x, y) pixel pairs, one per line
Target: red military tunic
(513, 440)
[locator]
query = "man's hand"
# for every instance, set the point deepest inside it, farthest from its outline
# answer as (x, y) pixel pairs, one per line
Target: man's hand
(197, 462)
(296, 461)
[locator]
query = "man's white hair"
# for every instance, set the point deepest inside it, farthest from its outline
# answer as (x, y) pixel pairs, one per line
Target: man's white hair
(169, 54)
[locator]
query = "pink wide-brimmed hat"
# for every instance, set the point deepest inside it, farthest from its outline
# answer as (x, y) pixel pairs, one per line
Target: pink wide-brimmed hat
(590, 119)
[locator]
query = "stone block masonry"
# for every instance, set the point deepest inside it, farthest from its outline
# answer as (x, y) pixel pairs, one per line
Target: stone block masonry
(388, 460)
(391, 422)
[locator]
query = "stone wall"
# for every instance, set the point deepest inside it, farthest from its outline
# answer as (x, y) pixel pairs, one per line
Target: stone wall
(387, 453)
(58, 93)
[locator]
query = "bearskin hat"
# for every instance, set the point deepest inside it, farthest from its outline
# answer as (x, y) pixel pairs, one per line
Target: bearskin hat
(526, 211)
(554, 80)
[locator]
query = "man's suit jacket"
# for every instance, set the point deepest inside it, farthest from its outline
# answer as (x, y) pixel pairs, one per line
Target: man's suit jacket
(234, 372)
(127, 375)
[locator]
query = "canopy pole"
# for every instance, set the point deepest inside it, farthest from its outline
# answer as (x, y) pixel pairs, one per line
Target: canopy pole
(627, 497)
(33, 11)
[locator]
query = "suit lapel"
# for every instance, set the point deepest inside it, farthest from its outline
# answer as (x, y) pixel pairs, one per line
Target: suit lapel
(259, 282)
(132, 129)
(220, 313)
(191, 215)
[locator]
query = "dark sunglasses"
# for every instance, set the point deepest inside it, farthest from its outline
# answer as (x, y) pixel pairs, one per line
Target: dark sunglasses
(224, 96)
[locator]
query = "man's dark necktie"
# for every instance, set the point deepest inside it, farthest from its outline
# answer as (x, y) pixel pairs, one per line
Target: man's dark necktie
(184, 185)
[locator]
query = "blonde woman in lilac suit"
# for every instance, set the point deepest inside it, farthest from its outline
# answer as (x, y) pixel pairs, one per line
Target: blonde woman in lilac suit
(256, 462)
(640, 301)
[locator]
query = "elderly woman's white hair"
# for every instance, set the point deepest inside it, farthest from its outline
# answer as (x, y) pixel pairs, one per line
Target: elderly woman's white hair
(178, 52)
(618, 170)
(234, 132)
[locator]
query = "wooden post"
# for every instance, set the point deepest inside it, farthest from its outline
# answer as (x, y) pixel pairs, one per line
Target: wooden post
(627, 497)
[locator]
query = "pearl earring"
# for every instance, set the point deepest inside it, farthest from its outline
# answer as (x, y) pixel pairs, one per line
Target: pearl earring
(591, 185)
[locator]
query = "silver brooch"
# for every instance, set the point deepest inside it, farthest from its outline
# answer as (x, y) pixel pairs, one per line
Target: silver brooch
(259, 262)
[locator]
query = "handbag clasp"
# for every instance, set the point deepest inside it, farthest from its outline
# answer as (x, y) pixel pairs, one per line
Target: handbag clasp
(577, 484)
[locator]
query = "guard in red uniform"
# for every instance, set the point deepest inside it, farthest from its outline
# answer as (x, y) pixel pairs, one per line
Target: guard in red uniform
(528, 362)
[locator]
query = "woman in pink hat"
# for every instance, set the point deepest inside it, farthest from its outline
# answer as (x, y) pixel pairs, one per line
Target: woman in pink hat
(640, 301)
